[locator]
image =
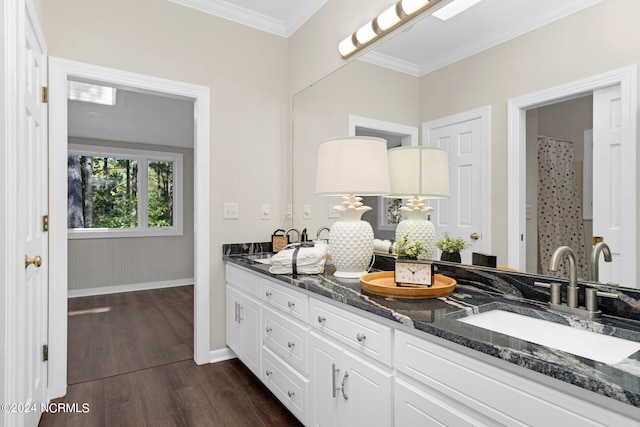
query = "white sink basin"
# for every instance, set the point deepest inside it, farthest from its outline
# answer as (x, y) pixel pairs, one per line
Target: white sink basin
(594, 346)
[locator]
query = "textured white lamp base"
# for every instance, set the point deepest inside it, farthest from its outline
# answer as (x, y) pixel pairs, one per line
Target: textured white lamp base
(351, 247)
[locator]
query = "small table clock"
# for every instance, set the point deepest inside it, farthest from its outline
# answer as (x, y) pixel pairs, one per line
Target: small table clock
(413, 272)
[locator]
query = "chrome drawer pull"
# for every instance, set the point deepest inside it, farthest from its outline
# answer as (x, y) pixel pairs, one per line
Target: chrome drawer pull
(268, 373)
(334, 372)
(345, 395)
(291, 344)
(291, 393)
(361, 337)
(321, 319)
(291, 304)
(267, 294)
(268, 329)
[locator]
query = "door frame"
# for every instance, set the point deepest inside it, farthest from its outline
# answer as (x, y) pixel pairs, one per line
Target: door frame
(60, 70)
(484, 114)
(516, 149)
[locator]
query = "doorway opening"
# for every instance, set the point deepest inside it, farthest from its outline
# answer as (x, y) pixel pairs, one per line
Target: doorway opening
(61, 71)
(617, 91)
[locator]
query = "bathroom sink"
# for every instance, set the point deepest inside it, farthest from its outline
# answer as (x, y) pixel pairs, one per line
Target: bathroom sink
(263, 258)
(594, 346)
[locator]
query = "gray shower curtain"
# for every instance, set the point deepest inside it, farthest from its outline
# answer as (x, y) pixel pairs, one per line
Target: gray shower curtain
(560, 221)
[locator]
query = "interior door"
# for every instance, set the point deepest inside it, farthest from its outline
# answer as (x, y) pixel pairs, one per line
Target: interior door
(33, 186)
(462, 214)
(608, 186)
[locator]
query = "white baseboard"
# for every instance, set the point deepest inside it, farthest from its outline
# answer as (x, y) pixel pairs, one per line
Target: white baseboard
(75, 293)
(221, 355)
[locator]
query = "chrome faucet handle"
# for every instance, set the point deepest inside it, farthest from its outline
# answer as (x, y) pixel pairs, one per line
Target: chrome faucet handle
(591, 298)
(554, 291)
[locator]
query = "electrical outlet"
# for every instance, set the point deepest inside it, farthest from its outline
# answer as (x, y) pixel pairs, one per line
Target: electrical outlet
(306, 211)
(231, 211)
(333, 213)
(265, 212)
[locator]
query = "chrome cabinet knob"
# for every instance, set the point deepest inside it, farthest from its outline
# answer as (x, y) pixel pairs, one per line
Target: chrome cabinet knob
(267, 294)
(268, 373)
(291, 393)
(361, 337)
(321, 319)
(291, 304)
(268, 329)
(291, 344)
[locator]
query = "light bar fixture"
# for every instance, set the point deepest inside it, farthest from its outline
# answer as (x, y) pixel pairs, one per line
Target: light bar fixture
(388, 20)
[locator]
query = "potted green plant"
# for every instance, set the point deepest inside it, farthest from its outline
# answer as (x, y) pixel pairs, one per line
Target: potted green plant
(411, 249)
(451, 248)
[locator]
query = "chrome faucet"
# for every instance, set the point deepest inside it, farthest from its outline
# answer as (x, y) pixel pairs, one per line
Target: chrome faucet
(320, 230)
(572, 288)
(286, 233)
(600, 247)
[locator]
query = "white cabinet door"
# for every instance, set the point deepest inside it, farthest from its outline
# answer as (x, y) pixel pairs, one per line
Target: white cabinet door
(249, 318)
(346, 390)
(243, 328)
(367, 390)
(325, 377)
(233, 326)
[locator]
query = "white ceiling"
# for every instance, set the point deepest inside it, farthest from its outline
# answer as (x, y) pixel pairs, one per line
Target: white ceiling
(137, 117)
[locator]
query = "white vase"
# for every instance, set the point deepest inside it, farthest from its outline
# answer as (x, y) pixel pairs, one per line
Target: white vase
(419, 229)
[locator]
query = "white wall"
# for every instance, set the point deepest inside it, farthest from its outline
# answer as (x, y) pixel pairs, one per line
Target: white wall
(246, 70)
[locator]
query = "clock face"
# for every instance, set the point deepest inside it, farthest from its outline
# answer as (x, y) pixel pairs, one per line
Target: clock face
(413, 273)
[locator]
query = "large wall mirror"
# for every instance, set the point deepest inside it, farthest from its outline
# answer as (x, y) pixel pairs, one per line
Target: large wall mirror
(448, 87)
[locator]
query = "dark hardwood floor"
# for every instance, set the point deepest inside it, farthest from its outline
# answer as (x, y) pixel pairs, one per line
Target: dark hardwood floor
(130, 366)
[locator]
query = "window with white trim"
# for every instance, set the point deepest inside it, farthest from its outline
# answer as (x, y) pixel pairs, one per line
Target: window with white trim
(121, 192)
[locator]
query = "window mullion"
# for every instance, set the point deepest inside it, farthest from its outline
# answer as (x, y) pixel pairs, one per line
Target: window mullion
(143, 194)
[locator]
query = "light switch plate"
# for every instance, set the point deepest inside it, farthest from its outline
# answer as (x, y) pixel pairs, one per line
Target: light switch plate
(333, 213)
(265, 212)
(231, 211)
(306, 211)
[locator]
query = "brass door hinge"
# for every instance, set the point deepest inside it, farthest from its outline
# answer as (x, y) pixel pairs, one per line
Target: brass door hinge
(45, 94)
(45, 223)
(45, 353)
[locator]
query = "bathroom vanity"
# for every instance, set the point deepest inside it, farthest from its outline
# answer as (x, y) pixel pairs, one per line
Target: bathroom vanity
(337, 356)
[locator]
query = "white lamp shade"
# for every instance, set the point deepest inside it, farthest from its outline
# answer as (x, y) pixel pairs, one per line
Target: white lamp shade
(419, 171)
(352, 165)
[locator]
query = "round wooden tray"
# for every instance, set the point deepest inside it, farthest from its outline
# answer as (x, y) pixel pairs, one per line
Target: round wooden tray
(382, 283)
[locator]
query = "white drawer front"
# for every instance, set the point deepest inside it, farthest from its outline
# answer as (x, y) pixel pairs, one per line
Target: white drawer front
(359, 333)
(501, 395)
(291, 302)
(245, 280)
(290, 388)
(286, 338)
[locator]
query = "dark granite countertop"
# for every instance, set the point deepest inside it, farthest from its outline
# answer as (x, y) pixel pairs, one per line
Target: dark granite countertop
(480, 289)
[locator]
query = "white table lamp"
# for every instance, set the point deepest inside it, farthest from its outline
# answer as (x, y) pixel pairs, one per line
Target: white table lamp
(346, 167)
(418, 173)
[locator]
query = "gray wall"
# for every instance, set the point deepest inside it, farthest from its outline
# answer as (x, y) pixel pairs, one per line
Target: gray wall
(97, 263)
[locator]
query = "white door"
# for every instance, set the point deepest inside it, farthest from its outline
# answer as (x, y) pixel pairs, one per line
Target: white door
(608, 187)
(364, 384)
(464, 213)
(325, 375)
(32, 290)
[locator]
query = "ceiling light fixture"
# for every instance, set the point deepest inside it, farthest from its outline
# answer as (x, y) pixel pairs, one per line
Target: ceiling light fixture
(454, 8)
(387, 21)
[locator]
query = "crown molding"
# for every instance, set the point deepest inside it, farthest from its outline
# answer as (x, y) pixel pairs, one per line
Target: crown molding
(283, 28)
(389, 62)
